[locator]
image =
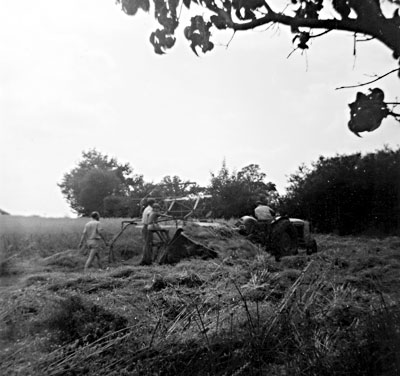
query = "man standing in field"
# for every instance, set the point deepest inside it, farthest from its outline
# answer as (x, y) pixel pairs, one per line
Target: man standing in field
(154, 226)
(147, 256)
(93, 234)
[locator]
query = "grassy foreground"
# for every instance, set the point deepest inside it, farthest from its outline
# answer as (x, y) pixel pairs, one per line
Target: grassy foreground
(333, 313)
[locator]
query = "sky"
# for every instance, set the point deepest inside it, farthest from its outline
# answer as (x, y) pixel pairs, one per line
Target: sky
(81, 74)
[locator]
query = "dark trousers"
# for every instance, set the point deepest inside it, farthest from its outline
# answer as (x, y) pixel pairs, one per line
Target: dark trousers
(147, 256)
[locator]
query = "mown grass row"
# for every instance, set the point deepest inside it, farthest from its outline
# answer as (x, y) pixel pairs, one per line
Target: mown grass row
(332, 313)
(309, 331)
(267, 320)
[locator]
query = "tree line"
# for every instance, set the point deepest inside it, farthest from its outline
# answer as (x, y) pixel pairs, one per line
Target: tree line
(346, 194)
(349, 194)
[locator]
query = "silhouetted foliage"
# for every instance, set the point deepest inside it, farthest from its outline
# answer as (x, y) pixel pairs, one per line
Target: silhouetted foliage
(368, 111)
(174, 186)
(235, 193)
(120, 207)
(366, 17)
(100, 183)
(377, 19)
(96, 177)
(349, 194)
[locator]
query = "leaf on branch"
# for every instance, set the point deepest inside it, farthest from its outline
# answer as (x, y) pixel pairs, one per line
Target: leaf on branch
(161, 41)
(130, 7)
(303, 38)
(198, 33)
(173, 6)
(294, 29)
(165, 12)
(245, 8)
(219, 22)
(309, 8)
(367, 111)
(342, 7)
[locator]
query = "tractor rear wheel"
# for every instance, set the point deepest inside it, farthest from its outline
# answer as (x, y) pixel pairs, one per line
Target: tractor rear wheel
(283, 239)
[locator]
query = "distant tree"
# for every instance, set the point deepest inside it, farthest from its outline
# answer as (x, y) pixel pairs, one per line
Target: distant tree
(138, 191)
(174, 186)
(94, 186)
(235, 193)
(96, 177)
(350, 194)
(375, 19)
(121, 206)
(141, 191)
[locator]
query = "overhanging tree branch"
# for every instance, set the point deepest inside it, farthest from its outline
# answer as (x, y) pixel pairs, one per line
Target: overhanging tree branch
(303, 17)
(385, 30)
(369, 82)
(295, 22)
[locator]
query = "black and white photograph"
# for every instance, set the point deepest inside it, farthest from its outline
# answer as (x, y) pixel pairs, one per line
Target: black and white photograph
(200, 187)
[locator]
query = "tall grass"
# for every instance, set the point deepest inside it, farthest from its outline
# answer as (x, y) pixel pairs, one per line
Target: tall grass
(332, 313)
(7, 259)
(314, 329)
(31, 236)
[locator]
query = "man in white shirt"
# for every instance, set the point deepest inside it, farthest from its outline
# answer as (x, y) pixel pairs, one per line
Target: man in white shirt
(146, 234)
(264, 215)
(147, 211)
(263, 212)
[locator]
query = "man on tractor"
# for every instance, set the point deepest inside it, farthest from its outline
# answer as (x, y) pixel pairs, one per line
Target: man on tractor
(265, 216)
(274, 232)
(263, 212)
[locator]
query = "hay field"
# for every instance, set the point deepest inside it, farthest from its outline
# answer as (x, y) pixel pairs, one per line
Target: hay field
(332, 313)
(42, 237)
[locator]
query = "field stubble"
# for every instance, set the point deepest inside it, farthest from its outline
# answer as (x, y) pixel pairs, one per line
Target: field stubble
(332, 313)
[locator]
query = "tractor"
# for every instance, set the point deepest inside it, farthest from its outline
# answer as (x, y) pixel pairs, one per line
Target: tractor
(281, 237)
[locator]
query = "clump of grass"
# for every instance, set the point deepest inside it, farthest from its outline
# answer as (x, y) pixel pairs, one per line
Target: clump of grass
(295, 262)
(188, 279)
(77, 319)
(368, 262)
(7, 259)
(69, 259)
(18, 312)
(87, 284)
(123, 272)
(7, 266)
(36, 278)
(224, 240)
